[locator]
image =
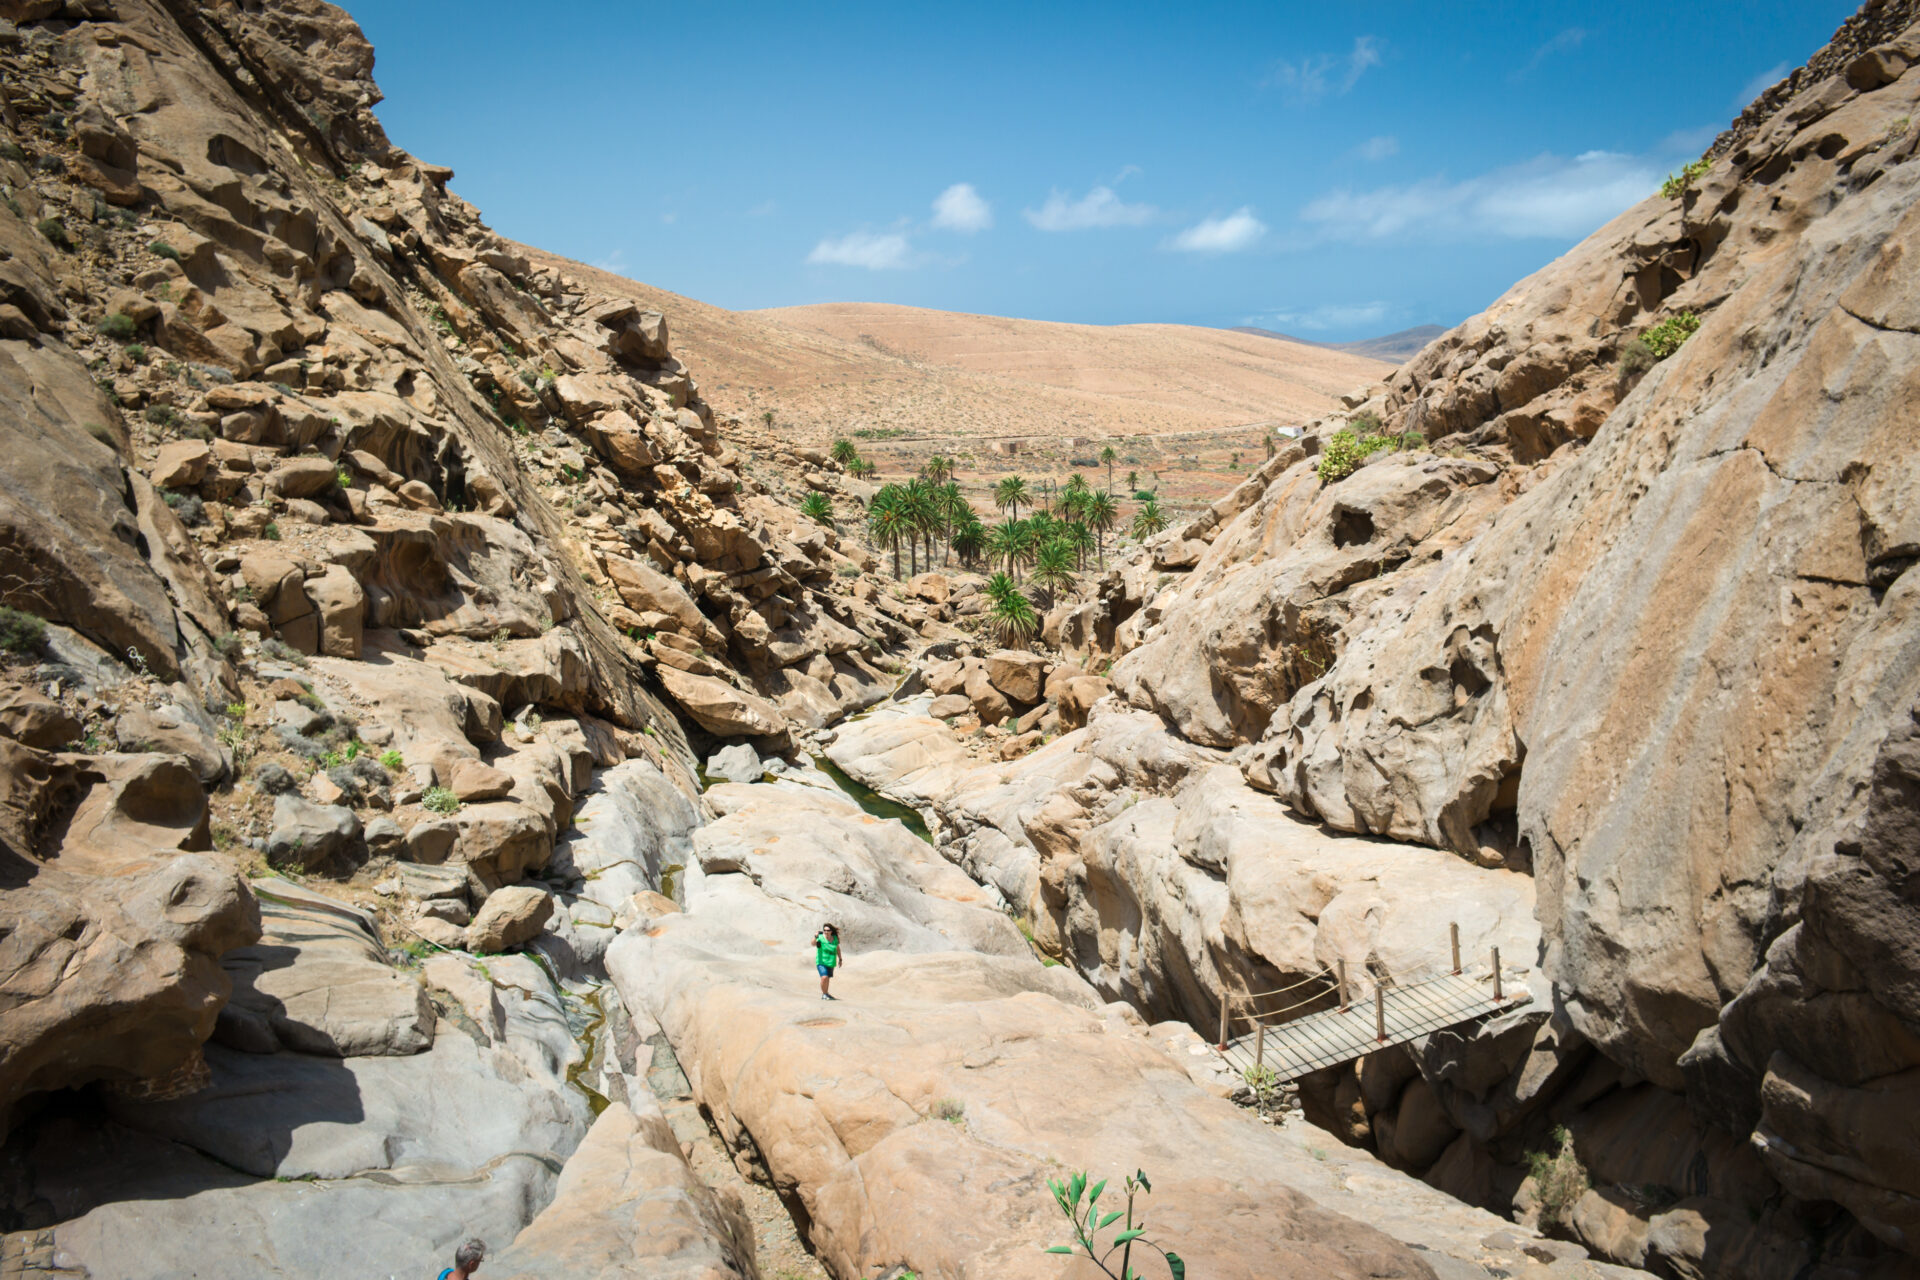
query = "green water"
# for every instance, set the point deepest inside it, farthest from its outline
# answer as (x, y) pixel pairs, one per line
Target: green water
(873, 802)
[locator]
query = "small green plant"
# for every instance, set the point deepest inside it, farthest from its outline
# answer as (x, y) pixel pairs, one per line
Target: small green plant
(160, 415)
(137, 352)
(952, 1110)
(440, 800)
(1265, 1083)
(1665, 338)
(1678, 184)
(119, 326)
(236, 711)
(392, 761)
(1559, 1178)
(226, 644)
(161, 249)
(281, 651)
(343, 478)
(817, 507)
(1081, 1204)
(21, 632)
(272, 532)
(56, 233)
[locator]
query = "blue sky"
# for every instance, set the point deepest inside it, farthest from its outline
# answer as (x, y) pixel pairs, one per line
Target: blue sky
(1334, 171)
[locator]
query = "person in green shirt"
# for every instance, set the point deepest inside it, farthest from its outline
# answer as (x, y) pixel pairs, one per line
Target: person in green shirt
(826, 956)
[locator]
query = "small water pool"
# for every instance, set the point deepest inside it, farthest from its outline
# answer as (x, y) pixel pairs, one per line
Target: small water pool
(873, 802)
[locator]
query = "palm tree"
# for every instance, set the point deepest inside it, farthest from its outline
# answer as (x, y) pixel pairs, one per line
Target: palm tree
(817, 507)
(767, 417)
(1010, 613)
(861, 469)
(1041, 525)
(938, 470)
(887, 522)
(917, 509)
(969, 539)
(844, 453)
(1149, 519)
(1108, 456)
(1100, 513)
(1008, 541)
(954, 511)
(1080, 538)
(1053, 567)
(1009, 494)
(1133, 481)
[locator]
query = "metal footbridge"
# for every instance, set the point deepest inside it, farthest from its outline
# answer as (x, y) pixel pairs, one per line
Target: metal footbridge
(1297, 1039)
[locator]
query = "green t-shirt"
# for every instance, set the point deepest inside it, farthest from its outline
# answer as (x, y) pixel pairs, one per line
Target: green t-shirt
(826, 951)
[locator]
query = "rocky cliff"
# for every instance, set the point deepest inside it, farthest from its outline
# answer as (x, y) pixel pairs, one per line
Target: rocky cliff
(1616, 597)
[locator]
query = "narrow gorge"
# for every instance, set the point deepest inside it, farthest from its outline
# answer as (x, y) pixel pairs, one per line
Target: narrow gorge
(431, 733)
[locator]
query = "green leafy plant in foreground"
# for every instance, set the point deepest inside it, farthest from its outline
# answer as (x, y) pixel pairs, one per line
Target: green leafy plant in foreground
(440, 800)
(1081, 1204)
(1665, 338)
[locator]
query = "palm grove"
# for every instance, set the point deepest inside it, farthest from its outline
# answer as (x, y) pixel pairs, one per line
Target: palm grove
(1054, 539)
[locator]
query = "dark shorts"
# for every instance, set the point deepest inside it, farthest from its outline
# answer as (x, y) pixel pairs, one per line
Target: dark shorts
(824, 970)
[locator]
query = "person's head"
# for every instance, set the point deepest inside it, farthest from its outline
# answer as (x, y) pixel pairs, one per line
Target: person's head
(830, 930)
(469, 1255)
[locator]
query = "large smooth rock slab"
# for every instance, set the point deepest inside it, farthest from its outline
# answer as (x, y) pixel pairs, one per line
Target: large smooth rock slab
(318, 982)
(628, 1204)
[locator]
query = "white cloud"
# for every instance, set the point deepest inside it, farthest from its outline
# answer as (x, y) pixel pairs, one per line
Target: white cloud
(615, 263)
(888, 251)
(1310, 78)
(1379, 148)
(1370, 315)
(1568, 39)
(1238, 230)
(1760, 84)
(1100, 207)
(1548, 197)
(960, 208)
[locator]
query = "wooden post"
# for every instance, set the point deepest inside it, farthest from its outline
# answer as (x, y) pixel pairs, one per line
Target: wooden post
(1496, 974)
(1259, 1045)
(1380, 1012)
(1454, 929)
(1226, 1003)
(1343, 986)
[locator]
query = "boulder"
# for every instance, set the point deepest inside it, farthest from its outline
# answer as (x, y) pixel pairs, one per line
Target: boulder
(303, 477)
(934, 588)
(1077, 697)
(341, 605)
(737, 763)
(181, 464)
(719, 708)
(135, 807)
(500, 841)
(32, 718)
(949, 706)
(311, 837)
(1018, 674)
(471, 780)
(988, 702)
(509, 917)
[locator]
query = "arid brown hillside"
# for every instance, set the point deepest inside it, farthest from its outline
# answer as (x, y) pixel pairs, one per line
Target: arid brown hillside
(830, 370)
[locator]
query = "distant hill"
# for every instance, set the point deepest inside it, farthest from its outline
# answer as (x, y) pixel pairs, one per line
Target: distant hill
(1396, 347)
(841, 368)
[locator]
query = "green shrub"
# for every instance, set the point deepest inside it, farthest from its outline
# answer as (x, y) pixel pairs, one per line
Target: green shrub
(160, 415)
(119, 326)
(440, 800)
(392, 761)
(1680, 183)
(817, 507)
(56, 233)
(1559, 1178)
(1665, 338)
(161, 249)
(1343, 453)
(137, 352)
(21, 632)
(272, 532)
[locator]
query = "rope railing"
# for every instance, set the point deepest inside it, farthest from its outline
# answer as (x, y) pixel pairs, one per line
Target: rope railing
(1435, 964)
